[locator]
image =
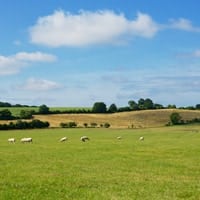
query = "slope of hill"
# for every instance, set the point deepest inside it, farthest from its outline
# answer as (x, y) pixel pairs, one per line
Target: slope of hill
(134, 119)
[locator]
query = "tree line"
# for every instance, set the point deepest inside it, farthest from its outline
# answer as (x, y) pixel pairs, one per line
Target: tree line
(19, 124)
(98, 107)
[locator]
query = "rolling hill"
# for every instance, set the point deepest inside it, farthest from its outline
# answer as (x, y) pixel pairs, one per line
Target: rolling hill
(134, 119)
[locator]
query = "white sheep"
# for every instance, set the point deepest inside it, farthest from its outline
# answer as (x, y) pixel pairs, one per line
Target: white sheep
(84, 138)
(119, 137)
(63, 139)
(141, 138)
(11, 140)
(26, 140)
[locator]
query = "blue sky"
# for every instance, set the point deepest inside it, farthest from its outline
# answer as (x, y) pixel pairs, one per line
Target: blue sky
(75, 53)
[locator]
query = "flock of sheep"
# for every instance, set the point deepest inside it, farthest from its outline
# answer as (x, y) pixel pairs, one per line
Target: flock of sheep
(23, 140)
(83, 139)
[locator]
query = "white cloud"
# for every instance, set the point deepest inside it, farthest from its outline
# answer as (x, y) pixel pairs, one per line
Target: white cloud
(87, 28)
(35, 57)
(14, 63)
(40, 85)
(183, 24)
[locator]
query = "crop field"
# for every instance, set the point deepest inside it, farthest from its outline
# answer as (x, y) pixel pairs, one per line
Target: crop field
(165, 166)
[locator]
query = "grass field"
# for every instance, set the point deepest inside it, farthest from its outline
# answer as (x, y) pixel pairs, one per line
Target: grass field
(16, 110)
(165, 166)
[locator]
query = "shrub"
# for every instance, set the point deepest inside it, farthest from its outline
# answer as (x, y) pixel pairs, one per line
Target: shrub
(68, 125)
(106, 125)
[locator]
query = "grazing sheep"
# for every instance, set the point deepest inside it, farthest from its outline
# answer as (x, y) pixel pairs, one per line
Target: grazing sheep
(119, 137)
(84, 138)
(141, 138)
(26, 140)
(63, 139)
(11, 140)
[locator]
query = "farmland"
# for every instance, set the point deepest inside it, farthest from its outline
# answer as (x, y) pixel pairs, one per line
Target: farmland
(166, 165)
(133, 119)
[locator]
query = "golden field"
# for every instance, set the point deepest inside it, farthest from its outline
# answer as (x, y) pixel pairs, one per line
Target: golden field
(133, 119)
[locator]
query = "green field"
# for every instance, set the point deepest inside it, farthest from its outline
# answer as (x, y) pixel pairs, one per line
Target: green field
(166, 165)
(16, 110)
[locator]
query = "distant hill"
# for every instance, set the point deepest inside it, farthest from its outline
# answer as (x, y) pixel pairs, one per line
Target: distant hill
(133, 119)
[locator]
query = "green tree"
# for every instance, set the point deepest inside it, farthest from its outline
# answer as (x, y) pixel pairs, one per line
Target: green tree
(170, 106)
(175, 118)
(43, 109)
(112, 108)
(99, 107)
(5, 114)
(148, 104)
(141, 103)
(198, 106)
(133, 105)
(26, 114)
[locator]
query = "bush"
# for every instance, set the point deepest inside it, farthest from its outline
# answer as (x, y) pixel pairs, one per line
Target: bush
(24, 125)
(175, 118)
(93, 124)
(106, 125)
(68, 125)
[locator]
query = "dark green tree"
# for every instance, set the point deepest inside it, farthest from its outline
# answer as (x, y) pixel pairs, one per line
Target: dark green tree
(26, 114)
(5, 114)
(99, 107)
(198, 106)
(148, 104)
(133, 105)
(43, 109)
(175, 118)
(112, 108)
(141, 104)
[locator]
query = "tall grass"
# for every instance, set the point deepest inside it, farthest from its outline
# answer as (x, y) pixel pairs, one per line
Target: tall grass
(166, 165)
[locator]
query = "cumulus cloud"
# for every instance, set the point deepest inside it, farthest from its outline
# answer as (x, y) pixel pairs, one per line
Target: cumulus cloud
(89, 28)
(14, 63)
(40, 85)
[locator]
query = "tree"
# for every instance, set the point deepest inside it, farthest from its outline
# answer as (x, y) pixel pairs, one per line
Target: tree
(133, 105)
(158, 106)
(175, 118)
(43, 109)
(170, 106)
(148, 104)
(99, 107)
(198, 106)
(141, 103)
(112, 108)
(5, 114)
(26, 114)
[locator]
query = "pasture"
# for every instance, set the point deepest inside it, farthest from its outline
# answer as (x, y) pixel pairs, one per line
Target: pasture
(166, 165)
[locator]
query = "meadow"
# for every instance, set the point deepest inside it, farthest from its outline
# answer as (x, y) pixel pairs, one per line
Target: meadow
(166, 165)
(16, 110)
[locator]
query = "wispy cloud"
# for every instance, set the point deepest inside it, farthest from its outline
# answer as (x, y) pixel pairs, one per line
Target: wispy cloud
(33, 84)
(190, 55)
(14, 63)
(90, 28)
(183, 24)
(35, 57)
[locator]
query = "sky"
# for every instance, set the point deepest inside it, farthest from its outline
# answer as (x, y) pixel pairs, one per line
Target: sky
(78, 52)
